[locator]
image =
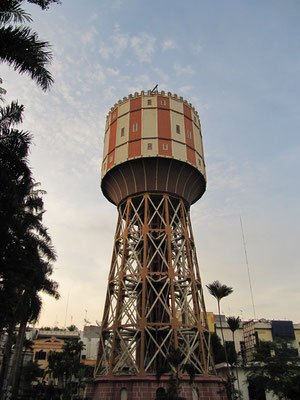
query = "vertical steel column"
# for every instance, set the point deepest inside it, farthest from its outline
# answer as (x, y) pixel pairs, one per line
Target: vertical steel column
(144, 273)
(154, 298)
(171, 272)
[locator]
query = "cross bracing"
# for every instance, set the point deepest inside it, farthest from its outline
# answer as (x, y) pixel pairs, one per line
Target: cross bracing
(154, 300)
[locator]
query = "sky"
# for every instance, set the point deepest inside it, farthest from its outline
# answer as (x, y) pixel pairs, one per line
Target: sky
(238, 63)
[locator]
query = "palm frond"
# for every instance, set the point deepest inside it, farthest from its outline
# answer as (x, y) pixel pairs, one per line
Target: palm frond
(233, 323)
(11, 115)
(14, 148)
(44, 4)
(22, 49)
(11, 12)
(45, 248)
(2, 91)
(218, 290)
(50, 287)
(35, 307)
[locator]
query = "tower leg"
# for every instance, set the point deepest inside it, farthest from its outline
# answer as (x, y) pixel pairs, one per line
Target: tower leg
(154, 300)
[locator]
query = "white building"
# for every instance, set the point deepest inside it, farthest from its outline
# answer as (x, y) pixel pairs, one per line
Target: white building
(246, 339)
(90, 338)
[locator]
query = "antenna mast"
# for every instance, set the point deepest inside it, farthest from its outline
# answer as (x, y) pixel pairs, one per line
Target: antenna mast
(67, 310)
(248, 269)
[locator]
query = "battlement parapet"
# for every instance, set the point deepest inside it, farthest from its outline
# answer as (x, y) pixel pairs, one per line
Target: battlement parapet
(150, 93)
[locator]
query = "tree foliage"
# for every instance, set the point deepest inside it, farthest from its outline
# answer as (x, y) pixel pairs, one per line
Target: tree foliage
(20, 46)
(32, 372)
(44, 4)
(276, 368)
(172, 366)
(72, 328)
(26, 251)
(217, 349)
(65, 366)
(219, 290)
(15, 181)
(234, 324)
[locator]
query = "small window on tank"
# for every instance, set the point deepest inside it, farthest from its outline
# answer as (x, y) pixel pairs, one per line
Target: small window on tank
(122, 131)
(199, 162)
(165, 146)
(178, 129)
(149, 102)
(163, 102)
(114, 115)
(149, 146)
(110, 158)
(135, 127)
(189, 135)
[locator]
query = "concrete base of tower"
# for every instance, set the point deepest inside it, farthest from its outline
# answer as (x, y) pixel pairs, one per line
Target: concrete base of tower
(149, 388)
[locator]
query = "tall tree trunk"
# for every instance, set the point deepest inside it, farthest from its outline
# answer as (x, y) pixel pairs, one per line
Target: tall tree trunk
(13, 379)
(6, 359)
(222, 333)
(237, 371)
(225, 351)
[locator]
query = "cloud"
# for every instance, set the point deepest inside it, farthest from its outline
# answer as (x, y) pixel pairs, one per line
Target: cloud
(169, 44)
(161, 74)
(110, 93)
(121, 41)
(94, 16)
(196, 48)
(113, 71)
(186, 70)
(99, 75)
(143, 46)
(87, 37)
(185, 89)
(105, 51)
(200, 105)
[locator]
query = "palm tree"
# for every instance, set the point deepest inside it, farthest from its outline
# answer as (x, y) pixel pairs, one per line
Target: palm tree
(34, 271)
(26, 54)
(219, 291)
(26, 251)
(20, 46)
(234, 324)
(15, 181)
(30, 313)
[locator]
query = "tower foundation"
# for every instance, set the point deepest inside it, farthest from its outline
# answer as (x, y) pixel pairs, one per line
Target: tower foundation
(149, 388)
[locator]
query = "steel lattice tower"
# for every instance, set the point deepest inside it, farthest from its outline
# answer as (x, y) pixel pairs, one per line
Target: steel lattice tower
(153, 170)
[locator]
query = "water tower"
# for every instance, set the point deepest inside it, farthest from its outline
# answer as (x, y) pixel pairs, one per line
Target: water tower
(153, 170)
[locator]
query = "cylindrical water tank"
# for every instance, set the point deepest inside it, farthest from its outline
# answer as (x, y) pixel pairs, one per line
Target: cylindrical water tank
(153, 143)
